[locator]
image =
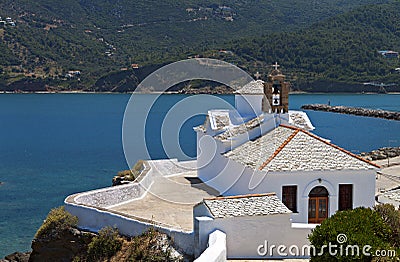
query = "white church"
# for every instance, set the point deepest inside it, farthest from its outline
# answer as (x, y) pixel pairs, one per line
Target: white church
(264, 180)
(264, 147)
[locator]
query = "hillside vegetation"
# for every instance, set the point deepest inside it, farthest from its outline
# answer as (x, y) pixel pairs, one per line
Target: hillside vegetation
(102, 39)
(341, 49)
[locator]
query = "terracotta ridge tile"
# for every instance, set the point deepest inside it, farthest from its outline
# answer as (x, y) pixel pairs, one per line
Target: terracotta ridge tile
(241, 196)
(279, 149)
(332, 145)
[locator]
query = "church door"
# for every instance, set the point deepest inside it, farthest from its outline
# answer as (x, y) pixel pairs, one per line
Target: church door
(318, 200)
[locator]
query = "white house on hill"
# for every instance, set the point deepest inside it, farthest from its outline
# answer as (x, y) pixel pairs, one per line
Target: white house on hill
(272, 150)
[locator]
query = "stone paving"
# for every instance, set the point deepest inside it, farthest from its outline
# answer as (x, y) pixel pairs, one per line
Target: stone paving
(109, 196)
(388, 181)
(165, 167)
(170, 201)
(393, 195)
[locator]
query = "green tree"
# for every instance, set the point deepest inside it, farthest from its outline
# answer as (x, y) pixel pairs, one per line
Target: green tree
(105, 245)
(361, 227)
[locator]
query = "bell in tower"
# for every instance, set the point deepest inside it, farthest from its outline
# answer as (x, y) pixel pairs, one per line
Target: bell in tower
(276, 92)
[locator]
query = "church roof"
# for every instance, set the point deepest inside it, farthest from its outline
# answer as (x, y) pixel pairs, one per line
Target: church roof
(246, 205)
(288, 148)
(253, 88)
(240, 129)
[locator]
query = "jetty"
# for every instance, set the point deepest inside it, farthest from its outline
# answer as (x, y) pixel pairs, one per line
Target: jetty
(391, 115)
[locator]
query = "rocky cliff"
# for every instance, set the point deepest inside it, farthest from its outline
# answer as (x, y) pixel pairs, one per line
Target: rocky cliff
(58, 239)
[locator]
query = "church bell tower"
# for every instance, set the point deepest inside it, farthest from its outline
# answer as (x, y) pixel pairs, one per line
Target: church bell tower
(276, 91)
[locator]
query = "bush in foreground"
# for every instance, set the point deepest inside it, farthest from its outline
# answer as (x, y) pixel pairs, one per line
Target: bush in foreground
(58, 220)
(150, 246)
(391, 216)
(361, 227)
(105, 245)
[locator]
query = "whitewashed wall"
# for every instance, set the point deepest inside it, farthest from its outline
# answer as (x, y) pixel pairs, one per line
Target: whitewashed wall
(93, 215)
(249, 105)
(232, 178)
(246, 234)
(216, 250)
(94, 219)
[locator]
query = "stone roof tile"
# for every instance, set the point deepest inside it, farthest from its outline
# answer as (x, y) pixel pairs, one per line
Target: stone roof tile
(288, 148)
(253, 88)
(247, 205)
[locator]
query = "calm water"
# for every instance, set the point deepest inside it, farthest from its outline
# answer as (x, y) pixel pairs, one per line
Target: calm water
(54, 145)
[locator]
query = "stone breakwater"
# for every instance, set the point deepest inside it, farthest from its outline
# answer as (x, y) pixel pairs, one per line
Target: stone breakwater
(354, 111)
(381, 153)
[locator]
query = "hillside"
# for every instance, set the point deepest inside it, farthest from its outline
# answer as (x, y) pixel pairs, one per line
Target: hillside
(341, 49)
(101, 37)
(335, 55)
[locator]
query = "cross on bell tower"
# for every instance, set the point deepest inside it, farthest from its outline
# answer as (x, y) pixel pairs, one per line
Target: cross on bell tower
(257, 75)
(276, 92)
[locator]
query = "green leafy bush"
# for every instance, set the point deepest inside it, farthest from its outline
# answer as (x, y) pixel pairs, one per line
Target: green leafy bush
(362, 227)
(58, 220)
(105, 245)
(391, 216)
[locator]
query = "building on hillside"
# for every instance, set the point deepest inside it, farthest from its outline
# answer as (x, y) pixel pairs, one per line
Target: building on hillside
(264, 147)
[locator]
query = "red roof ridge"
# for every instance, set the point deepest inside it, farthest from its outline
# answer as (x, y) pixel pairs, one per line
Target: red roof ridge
(331, 144)
(279, 149)
(241, 196)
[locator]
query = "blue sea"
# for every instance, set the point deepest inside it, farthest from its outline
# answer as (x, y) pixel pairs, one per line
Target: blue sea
(54, 145)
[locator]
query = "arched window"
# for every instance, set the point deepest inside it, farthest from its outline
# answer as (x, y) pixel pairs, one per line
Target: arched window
(318, 191)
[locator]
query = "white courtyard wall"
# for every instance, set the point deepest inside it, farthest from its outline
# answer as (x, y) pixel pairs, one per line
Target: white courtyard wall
(94, 216)
(216, 250)
(246, 234)
(94, 219)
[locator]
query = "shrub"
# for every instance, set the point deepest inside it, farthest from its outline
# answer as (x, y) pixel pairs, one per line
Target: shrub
(132, 174)
(150, 246)
(105, 245)
(362, 226)
(391, 216)
(58, 220)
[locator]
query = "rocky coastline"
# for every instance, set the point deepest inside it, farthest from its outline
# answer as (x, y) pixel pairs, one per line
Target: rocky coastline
(391, 115)
(381, 153)
(59, 239)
